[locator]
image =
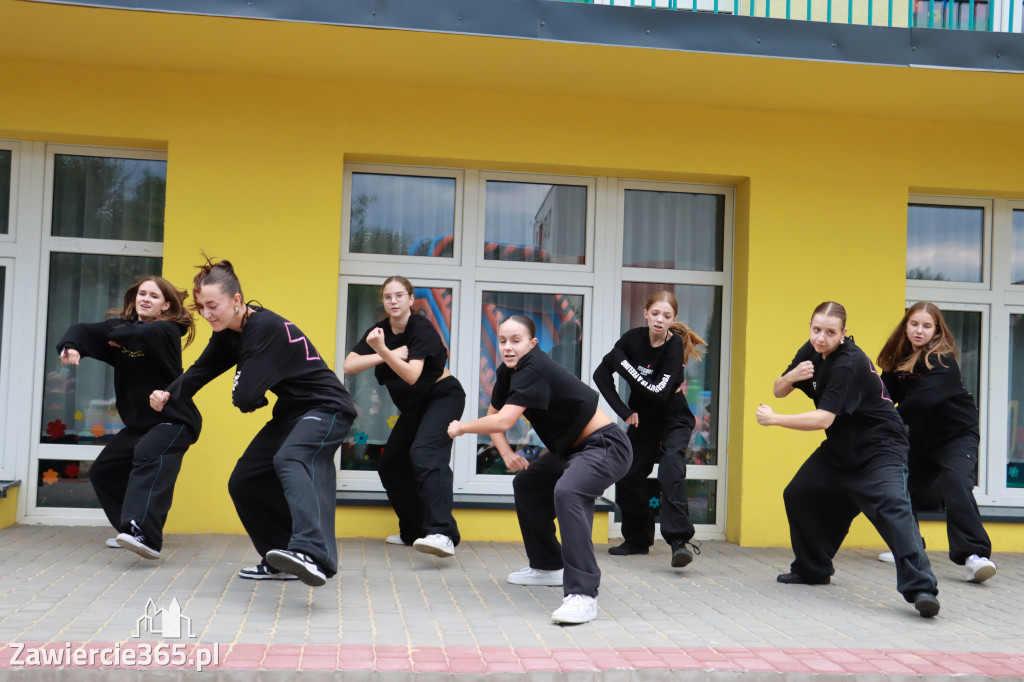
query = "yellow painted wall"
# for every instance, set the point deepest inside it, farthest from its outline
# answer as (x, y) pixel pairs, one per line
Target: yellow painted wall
(255, 175)
(9, 508)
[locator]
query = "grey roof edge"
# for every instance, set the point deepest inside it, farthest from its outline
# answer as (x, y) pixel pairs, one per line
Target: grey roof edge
(674, 30)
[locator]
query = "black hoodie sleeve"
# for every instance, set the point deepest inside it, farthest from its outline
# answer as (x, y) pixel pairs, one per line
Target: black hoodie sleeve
(806, 352)
(663, 383)
(217, 358)
(926, 388)
(604, 377)
(90, 340)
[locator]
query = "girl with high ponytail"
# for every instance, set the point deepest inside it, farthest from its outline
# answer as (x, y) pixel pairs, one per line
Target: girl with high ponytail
(651, 360)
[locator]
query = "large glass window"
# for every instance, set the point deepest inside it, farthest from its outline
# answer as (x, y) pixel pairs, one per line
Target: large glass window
(558, 319)
(945, 243)
(1015, 437)
(673, 230)
(402, 215)
(364, 445)
(113, 208)
(5, 190)
(534, 222)
(99, 197)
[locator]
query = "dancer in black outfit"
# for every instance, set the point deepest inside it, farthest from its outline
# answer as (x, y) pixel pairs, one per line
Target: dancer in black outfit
(860, 467)
(586, 454)
(920, 370)
(409, 359)
(284, 484)
(651, 359)
(134, 475)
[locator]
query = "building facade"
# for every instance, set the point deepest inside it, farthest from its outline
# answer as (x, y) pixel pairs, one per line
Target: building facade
(533, 158)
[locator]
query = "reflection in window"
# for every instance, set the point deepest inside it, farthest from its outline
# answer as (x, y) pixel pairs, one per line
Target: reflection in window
(1015, 416)
(106, 198)
(402, 215)
(559, 319)
(537, 223)
(79, 402)
(673, 230)
(944, 243)
(64, 483)
(700, 309)
(701, 494)
(364, 444)
(1018, 247)
(945, 14)
(5, 190)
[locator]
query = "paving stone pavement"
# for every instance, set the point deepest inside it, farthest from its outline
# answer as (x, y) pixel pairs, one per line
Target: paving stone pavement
(393, 613)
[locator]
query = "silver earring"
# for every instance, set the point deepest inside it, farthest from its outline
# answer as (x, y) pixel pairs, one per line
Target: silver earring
(236, 310)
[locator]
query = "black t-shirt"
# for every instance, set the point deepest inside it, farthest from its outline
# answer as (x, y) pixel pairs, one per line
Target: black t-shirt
(846, 384)
(424, 343)
(934, 402)
(271, 354)
(652, 374)
(147, 358)
(558, 405)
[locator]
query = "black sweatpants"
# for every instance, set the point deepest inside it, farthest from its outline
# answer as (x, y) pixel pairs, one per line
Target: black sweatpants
(943, 475)
(565, 487)
(134, 478)
(284, 486)
(658, 433)
(415, 467)
(822, 501)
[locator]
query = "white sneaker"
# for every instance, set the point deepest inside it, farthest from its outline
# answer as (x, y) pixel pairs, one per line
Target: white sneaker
(576, 608)
(979, 569)
(536, 576)
(112, 543)
(887, 557)
(436, 544)
(395, 540)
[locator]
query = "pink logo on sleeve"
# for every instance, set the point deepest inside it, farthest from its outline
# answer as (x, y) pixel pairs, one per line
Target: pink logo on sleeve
(305, 342)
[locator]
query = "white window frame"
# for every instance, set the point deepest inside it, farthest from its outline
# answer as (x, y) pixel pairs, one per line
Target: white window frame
(723, 278)
(531, 178)
(996, 299)
(7, 395)
(50, 244)
(986, 244)
(371, 259)
(599, 280)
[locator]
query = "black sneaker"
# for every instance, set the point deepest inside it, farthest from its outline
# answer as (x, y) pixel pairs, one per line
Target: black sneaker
(627, 549)
(797, 579)
(926, 604)
(263, 572)
(298, 564)
(136, 543)
(680, 555)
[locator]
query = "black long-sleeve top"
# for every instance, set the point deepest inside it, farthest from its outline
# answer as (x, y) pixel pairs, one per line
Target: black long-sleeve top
(424, 343)
(866, 424)
(652, 374)
(147, 357)
(933, 403)
(558, 405)
(270, 354)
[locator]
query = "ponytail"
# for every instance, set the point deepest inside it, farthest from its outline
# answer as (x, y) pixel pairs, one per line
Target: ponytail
(691, 341)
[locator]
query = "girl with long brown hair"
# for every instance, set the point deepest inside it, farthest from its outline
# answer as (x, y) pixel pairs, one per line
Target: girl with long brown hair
(920, 370)
(651, 360)
(134, 475)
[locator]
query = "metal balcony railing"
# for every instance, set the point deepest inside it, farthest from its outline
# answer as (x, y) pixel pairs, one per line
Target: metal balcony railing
(969, 15)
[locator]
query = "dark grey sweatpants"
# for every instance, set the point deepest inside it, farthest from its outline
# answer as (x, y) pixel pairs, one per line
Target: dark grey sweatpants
(565, 487)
